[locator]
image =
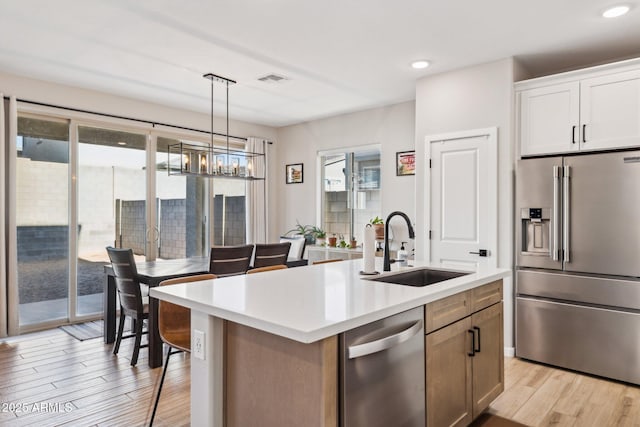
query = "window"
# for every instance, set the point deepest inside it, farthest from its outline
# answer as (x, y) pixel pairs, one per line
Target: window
(350, 186)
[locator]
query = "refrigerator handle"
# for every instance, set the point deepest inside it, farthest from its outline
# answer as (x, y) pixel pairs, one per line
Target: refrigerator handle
(566, 195)
(553, 249)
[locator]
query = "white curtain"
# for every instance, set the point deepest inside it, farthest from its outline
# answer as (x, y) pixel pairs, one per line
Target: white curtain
(3, 240)
(10, 221)
(256, 195)
(8, 249)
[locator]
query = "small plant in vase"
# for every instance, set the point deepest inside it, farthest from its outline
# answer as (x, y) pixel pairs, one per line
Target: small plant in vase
(303, 230)
(353, 243)
(333, 241)
(320, 234)
(378, 226)
(343, 243)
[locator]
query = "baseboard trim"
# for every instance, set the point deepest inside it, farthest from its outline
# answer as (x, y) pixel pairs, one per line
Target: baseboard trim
(509, 351)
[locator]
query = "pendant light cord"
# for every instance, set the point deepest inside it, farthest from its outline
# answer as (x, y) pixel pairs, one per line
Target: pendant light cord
(227, 83)
(212, 123)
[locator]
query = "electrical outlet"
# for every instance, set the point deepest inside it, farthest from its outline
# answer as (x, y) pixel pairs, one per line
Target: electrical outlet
(198, 344)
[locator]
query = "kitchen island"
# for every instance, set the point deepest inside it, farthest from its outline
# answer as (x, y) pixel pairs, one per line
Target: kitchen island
(257, 328)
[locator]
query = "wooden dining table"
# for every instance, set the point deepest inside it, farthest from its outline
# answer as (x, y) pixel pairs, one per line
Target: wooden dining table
(150, 273)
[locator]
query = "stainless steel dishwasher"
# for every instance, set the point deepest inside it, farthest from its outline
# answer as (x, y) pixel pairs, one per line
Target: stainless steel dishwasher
(382, 372)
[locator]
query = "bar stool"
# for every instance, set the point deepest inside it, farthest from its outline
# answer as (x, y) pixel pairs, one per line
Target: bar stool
(174, 325)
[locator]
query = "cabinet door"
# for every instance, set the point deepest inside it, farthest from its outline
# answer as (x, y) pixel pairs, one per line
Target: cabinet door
(488, 361)
(549, 119)
(610, 111)
(448, 375)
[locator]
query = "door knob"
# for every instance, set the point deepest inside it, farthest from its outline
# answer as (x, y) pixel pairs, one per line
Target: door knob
(481, 252)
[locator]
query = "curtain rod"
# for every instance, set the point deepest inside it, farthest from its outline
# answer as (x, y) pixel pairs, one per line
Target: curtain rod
(114, 116)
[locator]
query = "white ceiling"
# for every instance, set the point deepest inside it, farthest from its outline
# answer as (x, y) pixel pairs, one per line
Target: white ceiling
(339, 56)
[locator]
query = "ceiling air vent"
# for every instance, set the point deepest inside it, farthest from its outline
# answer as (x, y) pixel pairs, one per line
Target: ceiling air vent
(273, 78)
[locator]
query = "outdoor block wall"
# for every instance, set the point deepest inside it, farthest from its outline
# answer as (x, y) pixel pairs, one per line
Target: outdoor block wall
(43, 242)
(172, 220)
(41, 193)
(229, 220)
(132, 226)
(337, 215)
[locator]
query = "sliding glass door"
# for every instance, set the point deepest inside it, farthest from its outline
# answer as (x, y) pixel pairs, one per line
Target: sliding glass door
(42, 219)
(82, 186)
(182, 209)
(111, 205)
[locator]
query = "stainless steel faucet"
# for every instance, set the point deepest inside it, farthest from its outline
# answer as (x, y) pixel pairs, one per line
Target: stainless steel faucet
(412, 235)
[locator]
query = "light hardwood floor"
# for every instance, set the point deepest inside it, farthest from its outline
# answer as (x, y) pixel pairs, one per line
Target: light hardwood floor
(81, 384)
(101, 389)
(539, 395)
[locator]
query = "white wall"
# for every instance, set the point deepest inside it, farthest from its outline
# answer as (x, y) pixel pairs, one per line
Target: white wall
(392, 127)
(473, 98)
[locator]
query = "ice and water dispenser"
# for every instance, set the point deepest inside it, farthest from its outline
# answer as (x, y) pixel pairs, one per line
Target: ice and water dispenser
(535, 223)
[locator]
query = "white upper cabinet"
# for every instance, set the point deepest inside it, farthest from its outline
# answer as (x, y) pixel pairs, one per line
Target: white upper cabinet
(610, 111)
(549, 119)
(593, 109)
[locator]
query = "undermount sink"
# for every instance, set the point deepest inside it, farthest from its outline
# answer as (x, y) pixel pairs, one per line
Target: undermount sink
(420, 277)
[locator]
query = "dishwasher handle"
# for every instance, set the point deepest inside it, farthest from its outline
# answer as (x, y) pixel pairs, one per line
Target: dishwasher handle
(385, 343)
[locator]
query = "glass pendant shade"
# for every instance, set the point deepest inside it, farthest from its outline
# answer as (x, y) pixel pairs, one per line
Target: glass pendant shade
(208, 160)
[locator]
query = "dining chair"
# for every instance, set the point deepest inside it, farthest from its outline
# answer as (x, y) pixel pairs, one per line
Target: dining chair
(132, 303)
(271, 254)
(326, 261)
(230, 260)
(174, 326)
(267, 268)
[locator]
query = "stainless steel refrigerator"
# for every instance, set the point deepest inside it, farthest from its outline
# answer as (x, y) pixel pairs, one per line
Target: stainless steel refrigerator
(578, 263)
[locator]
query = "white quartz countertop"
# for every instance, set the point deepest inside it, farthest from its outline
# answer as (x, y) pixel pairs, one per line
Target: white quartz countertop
(311, 303)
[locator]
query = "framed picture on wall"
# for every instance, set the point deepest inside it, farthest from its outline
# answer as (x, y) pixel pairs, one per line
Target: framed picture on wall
(294, 173)
(405, 163)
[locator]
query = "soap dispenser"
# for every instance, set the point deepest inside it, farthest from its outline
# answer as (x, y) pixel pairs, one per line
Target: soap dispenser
(402, 253)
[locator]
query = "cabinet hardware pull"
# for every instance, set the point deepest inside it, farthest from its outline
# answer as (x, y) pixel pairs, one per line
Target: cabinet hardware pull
(477, 350)
(573, 135)
(473, 343)
(584, 133)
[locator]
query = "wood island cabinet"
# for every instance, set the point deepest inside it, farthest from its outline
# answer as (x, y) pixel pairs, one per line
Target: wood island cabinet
(464, 349)
(274, 381)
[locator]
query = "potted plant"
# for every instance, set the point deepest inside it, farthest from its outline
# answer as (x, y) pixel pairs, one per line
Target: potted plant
(378, 226)
(343, 243)
(333, 240)
(303, 230)
(353, 243)
(319, 234)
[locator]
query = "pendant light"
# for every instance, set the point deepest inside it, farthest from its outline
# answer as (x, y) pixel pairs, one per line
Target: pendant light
(208, 160)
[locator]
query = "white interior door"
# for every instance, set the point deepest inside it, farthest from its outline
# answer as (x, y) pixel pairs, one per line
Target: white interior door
(463, 204)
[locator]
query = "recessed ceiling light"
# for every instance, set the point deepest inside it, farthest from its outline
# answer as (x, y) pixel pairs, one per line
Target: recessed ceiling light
(122, 143)
(615, 11)
(420, 64)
